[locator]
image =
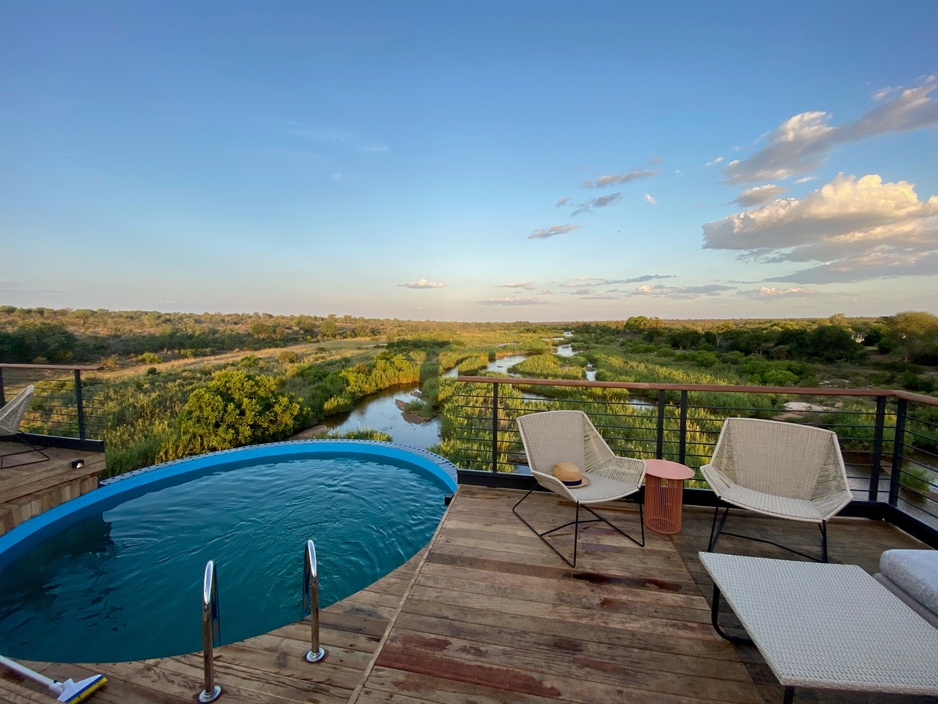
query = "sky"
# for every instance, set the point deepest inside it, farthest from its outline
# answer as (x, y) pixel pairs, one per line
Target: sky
(485, 161)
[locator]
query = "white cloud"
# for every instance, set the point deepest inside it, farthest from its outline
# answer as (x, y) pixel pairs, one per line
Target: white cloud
(337, 176)
(423, 283)
(769, 292)
(650, 199)
(716, 161)
(518, 284)
(855, 228)
(616, 179)
(552, 231)
(511, 301)
(802, 142)
(759, 195)
(683, 292)
(583, 282)
(562, 201)
(805, 179)
(601, 202)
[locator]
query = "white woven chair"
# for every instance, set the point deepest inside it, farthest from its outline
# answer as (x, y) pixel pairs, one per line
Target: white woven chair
(569, 436)
(11, 415)
(778, 469)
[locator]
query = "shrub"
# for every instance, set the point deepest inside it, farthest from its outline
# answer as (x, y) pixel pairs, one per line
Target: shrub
(236, 408)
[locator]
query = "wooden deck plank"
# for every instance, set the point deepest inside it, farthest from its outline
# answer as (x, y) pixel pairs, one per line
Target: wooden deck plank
(489, 614)
(29, 488)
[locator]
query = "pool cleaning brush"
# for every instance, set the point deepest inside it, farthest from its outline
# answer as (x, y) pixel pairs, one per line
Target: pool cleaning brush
(68, 691)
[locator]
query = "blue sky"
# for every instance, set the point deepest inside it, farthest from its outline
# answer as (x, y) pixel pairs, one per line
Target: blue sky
(483, 161)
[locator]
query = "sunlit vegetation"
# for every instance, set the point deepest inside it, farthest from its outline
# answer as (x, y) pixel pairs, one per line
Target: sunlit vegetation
(177, 384)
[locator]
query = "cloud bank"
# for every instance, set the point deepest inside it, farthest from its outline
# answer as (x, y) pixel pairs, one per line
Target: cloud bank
(855, 229)
(802, 142)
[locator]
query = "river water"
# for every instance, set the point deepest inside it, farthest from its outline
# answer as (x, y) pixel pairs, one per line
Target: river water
(380, 412)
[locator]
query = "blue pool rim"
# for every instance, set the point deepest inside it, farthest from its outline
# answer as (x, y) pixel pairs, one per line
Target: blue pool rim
(111, 492)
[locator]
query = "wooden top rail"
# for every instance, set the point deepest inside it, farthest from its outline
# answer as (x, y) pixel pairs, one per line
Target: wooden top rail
(650, 386)
(59, 367)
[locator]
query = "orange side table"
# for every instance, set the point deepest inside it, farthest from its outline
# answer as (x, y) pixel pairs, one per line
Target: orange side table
(664, 489)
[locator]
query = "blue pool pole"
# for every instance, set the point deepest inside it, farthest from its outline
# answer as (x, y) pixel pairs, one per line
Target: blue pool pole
(311, 602)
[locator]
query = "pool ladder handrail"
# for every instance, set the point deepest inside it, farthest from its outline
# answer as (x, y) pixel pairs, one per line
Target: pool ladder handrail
(211, 632)
(311, 602)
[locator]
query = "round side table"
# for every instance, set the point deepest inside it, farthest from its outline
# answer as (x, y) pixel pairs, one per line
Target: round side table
(664, 488)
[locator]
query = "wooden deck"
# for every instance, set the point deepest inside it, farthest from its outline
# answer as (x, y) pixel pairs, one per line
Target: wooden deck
(488, 614)
(28, 487)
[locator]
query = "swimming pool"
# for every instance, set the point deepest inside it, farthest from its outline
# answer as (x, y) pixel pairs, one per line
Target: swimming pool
(117, 573)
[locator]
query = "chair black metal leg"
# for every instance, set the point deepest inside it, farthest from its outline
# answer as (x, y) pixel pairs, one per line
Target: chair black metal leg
(541, 535)
(716, 531)
(19, 437)
(823, 541)
(714, 536)
(640, 543)
(576, 528)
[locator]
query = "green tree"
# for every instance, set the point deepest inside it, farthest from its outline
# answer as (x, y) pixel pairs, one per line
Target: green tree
(38, 343)
(914, 335)
(329, 328)
(236, 408)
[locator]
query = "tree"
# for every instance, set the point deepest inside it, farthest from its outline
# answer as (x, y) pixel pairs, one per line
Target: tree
(329, 329)
(832, 343)
(236, 408)
(38, 343)
(913, 334)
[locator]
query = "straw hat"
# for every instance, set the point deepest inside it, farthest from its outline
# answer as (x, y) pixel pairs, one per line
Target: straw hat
(570, 475)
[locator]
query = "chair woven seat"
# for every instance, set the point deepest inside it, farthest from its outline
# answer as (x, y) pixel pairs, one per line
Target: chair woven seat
(569, 436)
(778, 469)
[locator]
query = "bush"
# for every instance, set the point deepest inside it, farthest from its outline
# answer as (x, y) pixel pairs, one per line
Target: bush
(911, 381)
(234, 409)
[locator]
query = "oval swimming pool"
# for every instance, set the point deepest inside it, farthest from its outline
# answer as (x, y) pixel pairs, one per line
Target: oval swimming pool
(117, 573)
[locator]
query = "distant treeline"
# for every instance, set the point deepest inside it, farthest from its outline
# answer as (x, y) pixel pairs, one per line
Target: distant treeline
(911, 335)
(62, 335)
(56, 336)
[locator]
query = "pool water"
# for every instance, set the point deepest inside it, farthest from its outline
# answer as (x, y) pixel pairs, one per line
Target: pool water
(126, 583)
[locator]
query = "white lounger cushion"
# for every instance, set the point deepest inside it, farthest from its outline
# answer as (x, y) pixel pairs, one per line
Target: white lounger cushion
(915, 572)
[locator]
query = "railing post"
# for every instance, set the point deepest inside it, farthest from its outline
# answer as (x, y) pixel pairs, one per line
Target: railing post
(494, 427)
(682, 431)
(311, 602)
(79, 405)
(211, 632)
(3, 398)
(878, 428)
(659, 446)
(897, 451)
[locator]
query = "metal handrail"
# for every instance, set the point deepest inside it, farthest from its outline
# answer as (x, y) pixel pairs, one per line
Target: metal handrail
(889, 437)
(211, 632)
(311, 602)
(60, 414)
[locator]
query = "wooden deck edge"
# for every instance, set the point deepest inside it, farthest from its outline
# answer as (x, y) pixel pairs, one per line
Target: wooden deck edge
(356, 693)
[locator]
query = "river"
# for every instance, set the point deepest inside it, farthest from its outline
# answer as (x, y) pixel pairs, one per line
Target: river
(380, 412)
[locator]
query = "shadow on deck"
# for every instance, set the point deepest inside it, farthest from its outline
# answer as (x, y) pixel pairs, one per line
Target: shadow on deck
(488, 614)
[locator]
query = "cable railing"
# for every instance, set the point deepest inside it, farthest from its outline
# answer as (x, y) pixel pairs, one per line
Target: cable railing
(63, 411)
(889, 438)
